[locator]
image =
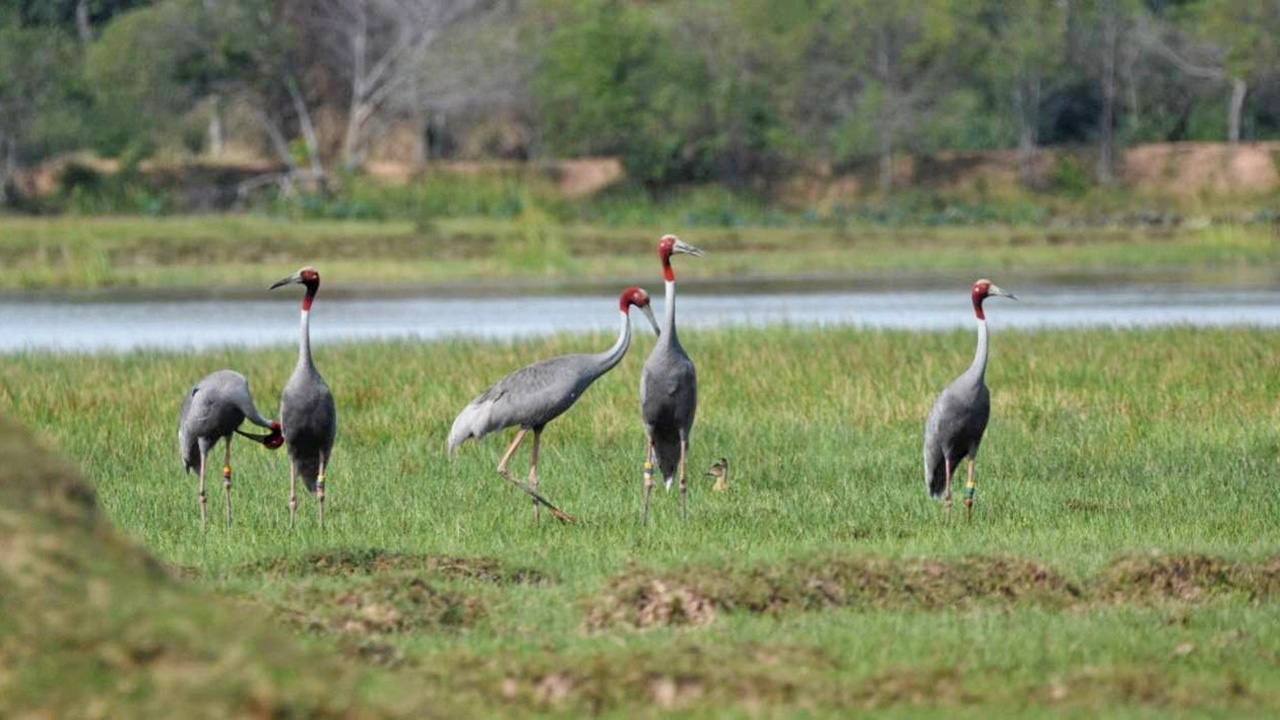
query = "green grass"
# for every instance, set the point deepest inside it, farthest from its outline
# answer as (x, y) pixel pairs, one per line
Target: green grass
(247, 252)
(824, 581)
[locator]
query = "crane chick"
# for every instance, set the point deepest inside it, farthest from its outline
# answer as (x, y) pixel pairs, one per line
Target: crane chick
(720, 471)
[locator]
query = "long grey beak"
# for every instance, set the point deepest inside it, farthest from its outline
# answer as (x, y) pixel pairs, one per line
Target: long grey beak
(995, 290)
(685, 248)
(294, 278)
(648, 312)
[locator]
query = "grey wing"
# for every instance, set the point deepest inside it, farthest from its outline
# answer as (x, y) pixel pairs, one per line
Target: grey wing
(954, 430)
(531, 396)
(935, 475)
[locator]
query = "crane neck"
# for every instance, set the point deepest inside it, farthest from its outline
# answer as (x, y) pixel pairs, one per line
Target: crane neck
(979, 366)
(614, 355)
(304, 344)
(669, 320)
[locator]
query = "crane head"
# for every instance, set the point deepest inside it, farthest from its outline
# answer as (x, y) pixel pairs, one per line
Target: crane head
(984, 289)
(271, 441)
(671, 245)
(307, 276)
(638, 297)
(275, 438)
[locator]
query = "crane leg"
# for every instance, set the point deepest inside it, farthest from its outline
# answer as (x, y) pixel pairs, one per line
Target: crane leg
(324, 461)
(946, 495)
(226, 476)
(506, 475)
(204, 498)
(648, 482)
(684, 480)
(969, 490)
(533, 474)
(293, 492)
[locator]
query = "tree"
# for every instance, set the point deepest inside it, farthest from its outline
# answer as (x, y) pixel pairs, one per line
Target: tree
(375, 48)
(1024, 42)
(901, 58)
(38, 94)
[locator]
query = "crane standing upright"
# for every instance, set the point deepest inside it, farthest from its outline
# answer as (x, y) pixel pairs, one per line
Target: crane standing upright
(959, 416)
(535, 395)
(669, 390)
(213, 410)
(307, 409)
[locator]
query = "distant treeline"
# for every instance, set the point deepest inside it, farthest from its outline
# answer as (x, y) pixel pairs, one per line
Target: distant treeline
(733, 91)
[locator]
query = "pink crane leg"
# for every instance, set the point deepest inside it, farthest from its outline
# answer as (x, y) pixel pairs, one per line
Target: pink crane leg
(684, 480)
(204, 499)
(648, 481)
(324, 461)
(533, 474)
(226, 477)
(293, 492)
(969, 488)
(502, 470)
(946, 496)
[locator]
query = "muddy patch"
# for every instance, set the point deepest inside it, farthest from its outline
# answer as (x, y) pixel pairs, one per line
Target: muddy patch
(1186, 577)
(694, 596)
(372, 561)
(379, 606)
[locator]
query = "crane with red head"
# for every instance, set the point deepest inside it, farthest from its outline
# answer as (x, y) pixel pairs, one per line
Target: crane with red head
(536, 394)
(669, 390)
(958, 420)
(307, 410)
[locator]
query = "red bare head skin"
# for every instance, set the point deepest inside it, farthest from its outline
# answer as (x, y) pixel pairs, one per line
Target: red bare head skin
(633, 296)
(665, 247)
(276, 438)
(981, 289)
(310, 278)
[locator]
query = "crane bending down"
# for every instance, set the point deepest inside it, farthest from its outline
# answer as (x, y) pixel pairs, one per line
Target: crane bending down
(535, 395)
(306, 408)
(959, 416)
(212, 411)
(669, 390)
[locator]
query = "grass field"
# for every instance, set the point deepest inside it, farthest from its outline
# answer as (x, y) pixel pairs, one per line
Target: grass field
(228, 252)
(1123, 554)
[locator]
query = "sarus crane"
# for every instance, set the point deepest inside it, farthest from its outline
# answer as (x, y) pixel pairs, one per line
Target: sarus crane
(959, 416)
(535, 395)
(669, 390)
(213, 410)
(307, 410)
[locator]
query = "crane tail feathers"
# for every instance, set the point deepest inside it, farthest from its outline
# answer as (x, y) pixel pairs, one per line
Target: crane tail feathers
(935, 477)
(472, 422)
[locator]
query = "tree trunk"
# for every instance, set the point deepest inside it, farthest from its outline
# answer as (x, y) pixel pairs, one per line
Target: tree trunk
(1239, 88)
(884, 68)
(7, 166)
(1107, 116)
(1027, 99)
(83, 29)
(215, 129)
(309, 137)
(359, 48)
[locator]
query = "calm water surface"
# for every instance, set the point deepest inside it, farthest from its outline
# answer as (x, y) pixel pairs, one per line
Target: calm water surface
(93, 326)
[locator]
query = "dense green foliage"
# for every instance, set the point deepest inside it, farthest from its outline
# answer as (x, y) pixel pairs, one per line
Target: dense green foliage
(738, 92)
(1121, 558)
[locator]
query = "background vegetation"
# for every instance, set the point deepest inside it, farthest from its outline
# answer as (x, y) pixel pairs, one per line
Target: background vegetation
(741, 93)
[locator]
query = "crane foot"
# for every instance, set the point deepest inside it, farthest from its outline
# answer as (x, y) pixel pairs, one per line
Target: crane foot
(557, 512)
